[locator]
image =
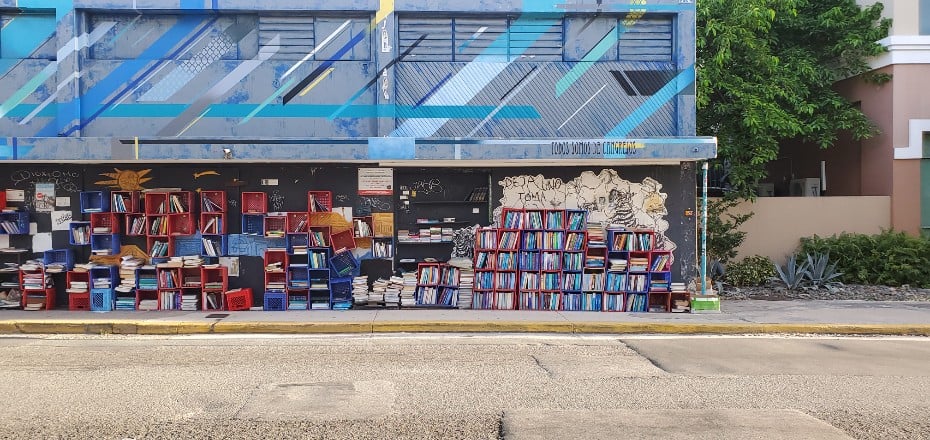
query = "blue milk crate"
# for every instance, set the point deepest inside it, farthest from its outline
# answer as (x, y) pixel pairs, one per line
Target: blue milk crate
(253, 224)
(343, 263)
(59, 256)
(105, 242)
(108, 272)
(94, 201)
(187, 245)
(101, 300)
(275, 301)
(14, 222)
(219, 250)
(296, 239)
(340, 289)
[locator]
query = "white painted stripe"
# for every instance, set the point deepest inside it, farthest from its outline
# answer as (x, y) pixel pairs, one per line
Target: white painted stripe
(582, 106)
(505, 101)
(61, 85)
(317, 48)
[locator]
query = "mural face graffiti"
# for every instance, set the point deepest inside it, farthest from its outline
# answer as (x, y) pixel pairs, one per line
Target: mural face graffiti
(609, 199)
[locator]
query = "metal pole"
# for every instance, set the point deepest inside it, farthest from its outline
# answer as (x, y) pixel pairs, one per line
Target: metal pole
(704, 231)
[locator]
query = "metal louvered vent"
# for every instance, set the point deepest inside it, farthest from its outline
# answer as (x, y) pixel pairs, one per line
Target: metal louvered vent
(465, 39)
(649, 39)
(295, 33)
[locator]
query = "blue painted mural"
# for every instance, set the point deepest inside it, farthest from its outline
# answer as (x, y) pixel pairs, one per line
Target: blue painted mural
(123, 80)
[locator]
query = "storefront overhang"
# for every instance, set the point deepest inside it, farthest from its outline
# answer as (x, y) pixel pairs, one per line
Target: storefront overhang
(391, 151)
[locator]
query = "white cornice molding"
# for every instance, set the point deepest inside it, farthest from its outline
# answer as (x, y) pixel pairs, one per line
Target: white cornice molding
(903, 49)
(915, 148)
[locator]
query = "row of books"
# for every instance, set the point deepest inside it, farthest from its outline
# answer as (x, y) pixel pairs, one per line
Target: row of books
(118, 203)
(621, 282)
(539, 301)
(493, 300)
(213, 248)
(209, 205)
(582, 301)
(631, 241)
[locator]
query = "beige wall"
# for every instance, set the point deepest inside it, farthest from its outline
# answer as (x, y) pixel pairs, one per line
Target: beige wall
(779, 223)
(876, 153)
(905, 209)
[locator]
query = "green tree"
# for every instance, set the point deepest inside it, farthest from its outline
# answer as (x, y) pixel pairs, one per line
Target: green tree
(766, 70)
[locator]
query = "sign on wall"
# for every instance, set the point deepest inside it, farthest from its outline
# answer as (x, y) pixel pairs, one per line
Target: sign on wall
(375, 181)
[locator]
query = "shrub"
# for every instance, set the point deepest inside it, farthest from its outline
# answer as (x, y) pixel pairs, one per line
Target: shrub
(723, 234)
(890, 258)
(793, 274)
(751, 271)
(820, 273)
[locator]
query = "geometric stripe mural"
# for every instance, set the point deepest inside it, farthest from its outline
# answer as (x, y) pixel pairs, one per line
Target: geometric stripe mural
(182, 69)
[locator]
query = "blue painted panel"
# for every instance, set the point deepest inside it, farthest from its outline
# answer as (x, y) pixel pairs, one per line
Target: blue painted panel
(29, 35)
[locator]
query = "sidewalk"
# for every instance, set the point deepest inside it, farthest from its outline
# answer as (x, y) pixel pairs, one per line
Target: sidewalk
(737, 317)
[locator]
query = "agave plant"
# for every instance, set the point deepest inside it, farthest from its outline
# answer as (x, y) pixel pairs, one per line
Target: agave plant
(820, 273)
(794, 275)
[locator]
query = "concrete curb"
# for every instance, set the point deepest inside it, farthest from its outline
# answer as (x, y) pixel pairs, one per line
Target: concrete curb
(148, 327)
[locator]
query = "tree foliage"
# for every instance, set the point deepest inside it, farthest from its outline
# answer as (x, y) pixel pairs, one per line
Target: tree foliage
(766, 71)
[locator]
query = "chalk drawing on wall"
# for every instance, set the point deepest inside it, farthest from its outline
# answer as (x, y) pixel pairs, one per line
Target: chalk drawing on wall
(125, 180)
(609, 199)
(206, 173)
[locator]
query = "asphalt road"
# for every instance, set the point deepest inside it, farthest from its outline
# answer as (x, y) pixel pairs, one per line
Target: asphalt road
(462, 386)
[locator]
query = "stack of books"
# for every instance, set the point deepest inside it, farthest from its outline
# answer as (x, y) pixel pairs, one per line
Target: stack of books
(148, 304)
(467, 280)
(77, 287)
(55, 268)
(392, 293)
(360, 289)
(407, 293)
(188, 302)
(192, 261)
(680, 298)
(376, 297)
(617, 265)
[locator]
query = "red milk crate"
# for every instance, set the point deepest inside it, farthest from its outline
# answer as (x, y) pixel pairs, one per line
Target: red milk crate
(238, 299)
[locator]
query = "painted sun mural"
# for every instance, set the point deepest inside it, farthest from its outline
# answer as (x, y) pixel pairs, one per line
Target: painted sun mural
(125, 180)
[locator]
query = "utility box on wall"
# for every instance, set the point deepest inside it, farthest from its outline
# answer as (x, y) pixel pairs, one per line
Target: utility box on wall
(808, 187)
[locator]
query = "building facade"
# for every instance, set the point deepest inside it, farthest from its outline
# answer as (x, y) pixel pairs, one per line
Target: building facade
(896, 162)
(232, 94)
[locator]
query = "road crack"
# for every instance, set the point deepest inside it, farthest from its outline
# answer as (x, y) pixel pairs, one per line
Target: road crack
(541, 366)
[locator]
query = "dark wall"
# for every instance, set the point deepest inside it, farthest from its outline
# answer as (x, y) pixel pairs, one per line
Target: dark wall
(621, 195)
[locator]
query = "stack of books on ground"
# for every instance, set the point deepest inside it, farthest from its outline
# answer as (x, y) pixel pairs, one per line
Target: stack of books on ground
(467, 280)
(360, 290)
(342, 305)
(392, 293)
(408, 292)
(376, 297)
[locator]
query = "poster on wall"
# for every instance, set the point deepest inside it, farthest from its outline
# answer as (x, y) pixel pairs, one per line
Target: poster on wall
(45, 197)
(375, 181)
